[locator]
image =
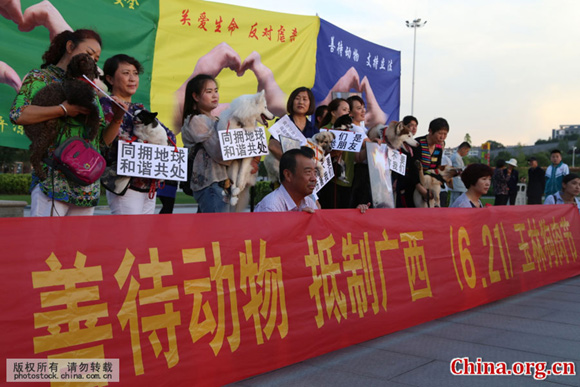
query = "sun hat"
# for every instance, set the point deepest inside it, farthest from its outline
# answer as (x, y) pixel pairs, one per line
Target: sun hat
(512, 162)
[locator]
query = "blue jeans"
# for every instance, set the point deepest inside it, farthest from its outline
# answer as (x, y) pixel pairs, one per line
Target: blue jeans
(210, 199)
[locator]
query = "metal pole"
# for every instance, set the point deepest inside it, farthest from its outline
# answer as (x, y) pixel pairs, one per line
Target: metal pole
(414, 25)
(573, 154)
(414, 50)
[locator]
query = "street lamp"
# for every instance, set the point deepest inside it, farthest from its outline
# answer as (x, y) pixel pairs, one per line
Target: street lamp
(573, 153)
(414, 25)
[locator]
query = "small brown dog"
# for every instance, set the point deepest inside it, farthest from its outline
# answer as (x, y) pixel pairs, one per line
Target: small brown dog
(75, 91)
(324, 140)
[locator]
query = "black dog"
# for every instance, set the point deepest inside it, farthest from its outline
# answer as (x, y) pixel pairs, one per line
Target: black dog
(343, 122)
(76, 91)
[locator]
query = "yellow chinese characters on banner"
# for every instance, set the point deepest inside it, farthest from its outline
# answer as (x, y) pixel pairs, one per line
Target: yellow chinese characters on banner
(248, 50)
(328, 277)
(225, 298)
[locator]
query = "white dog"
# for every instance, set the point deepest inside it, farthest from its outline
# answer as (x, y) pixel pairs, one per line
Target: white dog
(272, 165)
(243, 112)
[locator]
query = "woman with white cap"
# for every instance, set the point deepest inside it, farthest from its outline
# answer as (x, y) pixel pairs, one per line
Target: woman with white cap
(513, 179)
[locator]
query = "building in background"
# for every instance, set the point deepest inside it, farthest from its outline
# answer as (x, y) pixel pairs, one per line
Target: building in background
(565, 130)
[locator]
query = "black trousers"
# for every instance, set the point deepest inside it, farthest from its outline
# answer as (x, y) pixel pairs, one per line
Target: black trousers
(502, 200)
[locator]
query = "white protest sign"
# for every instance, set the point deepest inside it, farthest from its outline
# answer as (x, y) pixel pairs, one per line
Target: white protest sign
(327, 173)
(288, 143)
(240, 143)
(150, 161)
(380, 176)
(397, 161)
(346, 140)
(285, 127)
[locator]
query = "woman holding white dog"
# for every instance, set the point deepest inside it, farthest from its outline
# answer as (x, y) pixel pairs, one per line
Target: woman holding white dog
(137, 196)
(209, 174)
(477, 180)
(53, 194)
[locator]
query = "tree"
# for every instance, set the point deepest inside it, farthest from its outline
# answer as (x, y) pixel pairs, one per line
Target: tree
(472, 159)
(543, 159)
(540, 141)
(9, 156)
(467, 138)
(495, 145)
(504, 155)
(563, 146)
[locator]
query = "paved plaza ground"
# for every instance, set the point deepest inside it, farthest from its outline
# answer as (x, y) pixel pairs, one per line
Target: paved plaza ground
(541, 325)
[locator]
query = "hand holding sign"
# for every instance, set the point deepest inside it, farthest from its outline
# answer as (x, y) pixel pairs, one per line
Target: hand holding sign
(346, 140)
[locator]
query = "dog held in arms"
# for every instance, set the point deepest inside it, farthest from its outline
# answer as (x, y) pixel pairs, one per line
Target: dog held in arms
(243, 112)
(321, 143)
(76, 91)
(147, 130)
(432, 183)
(395, 136)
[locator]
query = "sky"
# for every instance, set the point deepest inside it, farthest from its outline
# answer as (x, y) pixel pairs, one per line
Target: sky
(502, 70)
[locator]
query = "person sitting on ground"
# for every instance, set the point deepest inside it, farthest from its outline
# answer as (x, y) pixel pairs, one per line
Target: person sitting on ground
(570, 189)
(298, 180)
(477, 180)
(555, 173)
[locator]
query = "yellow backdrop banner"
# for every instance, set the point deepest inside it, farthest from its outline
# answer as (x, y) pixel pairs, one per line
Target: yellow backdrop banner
(246, 49)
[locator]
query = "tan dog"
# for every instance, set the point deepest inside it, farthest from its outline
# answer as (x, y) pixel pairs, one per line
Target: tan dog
(432, 185)
(395, 135)
(324, 139)
(321, 143)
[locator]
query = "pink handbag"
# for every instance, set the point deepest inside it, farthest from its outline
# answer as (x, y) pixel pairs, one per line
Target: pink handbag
(79, 161)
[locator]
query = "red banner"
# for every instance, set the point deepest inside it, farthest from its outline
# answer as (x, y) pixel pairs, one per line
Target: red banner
(208, 299)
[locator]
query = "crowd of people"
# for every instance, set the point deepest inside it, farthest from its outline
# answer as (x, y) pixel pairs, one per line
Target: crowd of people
(54, 195)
